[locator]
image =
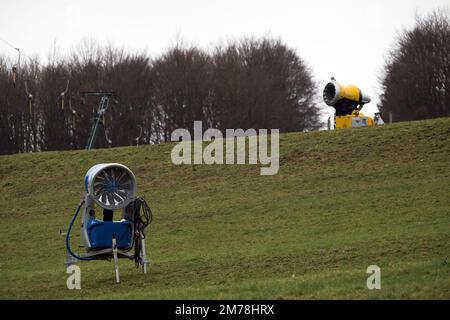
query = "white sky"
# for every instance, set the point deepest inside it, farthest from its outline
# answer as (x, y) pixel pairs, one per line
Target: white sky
(347, 39)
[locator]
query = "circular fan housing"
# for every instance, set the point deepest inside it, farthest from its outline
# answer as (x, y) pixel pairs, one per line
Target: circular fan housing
(112, 185)
(331, 93)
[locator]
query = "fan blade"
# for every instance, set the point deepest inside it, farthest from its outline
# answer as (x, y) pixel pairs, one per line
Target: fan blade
(106, 176)
(110, 198)
(121, 176)
(117, 197)
(99, 191)
(113, 176)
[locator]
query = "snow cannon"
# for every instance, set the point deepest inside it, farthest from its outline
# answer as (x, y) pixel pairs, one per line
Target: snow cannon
(344, 98)
(348, 101)
(111, 189)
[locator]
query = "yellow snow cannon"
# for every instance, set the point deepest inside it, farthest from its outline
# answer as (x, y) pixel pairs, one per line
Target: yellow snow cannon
(348, 101)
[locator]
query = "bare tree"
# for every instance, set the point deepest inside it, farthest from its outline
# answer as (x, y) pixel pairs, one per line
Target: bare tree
(263, 84)
(416, 80)
(182, 88)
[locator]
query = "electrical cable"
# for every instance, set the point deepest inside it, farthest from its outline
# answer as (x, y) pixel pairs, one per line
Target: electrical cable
(141, 220)
(142, 217)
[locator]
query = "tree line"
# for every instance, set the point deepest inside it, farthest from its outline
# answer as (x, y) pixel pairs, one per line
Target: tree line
(250, 83)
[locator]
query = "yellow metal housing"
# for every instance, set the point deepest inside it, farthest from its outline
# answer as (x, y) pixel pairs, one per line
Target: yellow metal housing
(354, 120)
(349, 92)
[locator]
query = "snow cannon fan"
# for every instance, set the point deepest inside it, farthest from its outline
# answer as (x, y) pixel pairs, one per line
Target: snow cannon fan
(111, 187)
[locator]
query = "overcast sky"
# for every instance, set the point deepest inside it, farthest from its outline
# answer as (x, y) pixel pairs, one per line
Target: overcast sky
(348, 39)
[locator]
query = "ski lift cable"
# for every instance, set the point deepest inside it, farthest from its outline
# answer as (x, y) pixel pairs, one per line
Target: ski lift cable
(8, 43)
(15, 67)
(15, 70)
(19, 50)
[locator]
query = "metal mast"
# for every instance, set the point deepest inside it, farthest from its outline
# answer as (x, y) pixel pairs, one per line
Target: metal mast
(97, 119)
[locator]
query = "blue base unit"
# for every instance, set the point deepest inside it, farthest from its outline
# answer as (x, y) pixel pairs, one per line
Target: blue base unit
(101, 234)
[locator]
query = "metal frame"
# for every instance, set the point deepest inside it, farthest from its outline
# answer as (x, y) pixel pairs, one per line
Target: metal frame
(115, 254)
(102, 107)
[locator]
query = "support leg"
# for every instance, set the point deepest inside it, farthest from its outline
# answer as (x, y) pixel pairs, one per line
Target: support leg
(116, 260)
(69, 259)
(143, 257)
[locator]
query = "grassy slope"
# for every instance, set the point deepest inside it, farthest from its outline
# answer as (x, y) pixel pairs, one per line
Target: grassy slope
(342, 200)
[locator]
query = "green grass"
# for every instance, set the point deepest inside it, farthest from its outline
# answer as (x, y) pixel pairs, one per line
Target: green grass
(342, 200)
